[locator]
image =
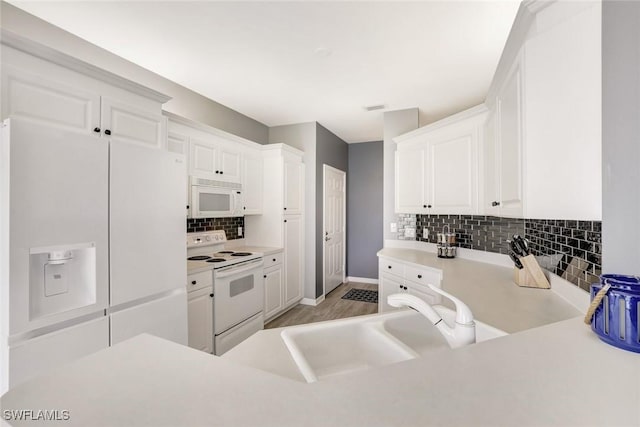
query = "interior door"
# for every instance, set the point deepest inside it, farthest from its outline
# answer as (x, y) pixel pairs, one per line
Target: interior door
(334, 228)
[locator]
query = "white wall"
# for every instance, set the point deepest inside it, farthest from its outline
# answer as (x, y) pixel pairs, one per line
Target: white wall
(395, 123)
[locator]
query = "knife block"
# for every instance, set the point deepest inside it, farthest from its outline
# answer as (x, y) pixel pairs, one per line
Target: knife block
(531, 275)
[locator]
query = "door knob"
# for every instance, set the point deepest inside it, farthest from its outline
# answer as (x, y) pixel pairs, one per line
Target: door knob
(326, 239)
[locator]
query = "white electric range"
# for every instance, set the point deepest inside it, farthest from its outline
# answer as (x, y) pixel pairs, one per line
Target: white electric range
(238, 288)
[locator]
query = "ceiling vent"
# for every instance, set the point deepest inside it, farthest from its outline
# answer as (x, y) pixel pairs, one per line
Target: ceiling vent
(374, 107)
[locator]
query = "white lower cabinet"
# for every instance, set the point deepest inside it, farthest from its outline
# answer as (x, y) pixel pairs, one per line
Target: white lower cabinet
(200, 314)
(293, 259)
(398, 277)
(273, 291)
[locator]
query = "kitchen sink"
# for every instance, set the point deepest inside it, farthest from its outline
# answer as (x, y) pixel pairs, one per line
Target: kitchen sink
(338, 347)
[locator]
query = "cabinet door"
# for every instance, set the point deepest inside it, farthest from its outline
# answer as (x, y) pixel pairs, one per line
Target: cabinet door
(124, 122)
(273, 291)
(200, 311)
(293, 187)
(389, 284)
(229, 165)
(202, 159)
(491, 171)
(34, 97)
(452, 173)
(510, 140)
(409, 183)
(293, 258)
(252, 184)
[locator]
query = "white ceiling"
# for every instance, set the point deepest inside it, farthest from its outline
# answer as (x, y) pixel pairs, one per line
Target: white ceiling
(260, 58)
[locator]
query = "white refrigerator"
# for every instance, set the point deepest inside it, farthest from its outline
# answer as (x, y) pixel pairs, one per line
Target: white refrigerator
(92, 248)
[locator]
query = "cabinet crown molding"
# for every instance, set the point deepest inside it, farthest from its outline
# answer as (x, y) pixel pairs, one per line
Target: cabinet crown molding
(478, 110)
(282, 147)
(10, 39)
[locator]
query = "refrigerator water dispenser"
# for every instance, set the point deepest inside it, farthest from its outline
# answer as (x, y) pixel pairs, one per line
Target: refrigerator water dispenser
(61, 279)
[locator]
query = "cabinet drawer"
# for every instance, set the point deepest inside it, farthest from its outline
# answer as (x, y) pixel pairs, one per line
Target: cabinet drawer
(273, 259)
(199, 280)
(422, 276)
(392, 267)
(423, 293)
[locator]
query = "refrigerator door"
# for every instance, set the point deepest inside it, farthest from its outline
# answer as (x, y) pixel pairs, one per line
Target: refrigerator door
(147, 222)
(165, 318)
(38, 355)
(58, 239)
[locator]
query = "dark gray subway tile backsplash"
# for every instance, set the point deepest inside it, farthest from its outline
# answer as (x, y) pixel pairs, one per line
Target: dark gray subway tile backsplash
(571, 249)
(229, 225)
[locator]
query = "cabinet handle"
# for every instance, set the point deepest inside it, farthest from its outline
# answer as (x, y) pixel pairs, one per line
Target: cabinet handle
(107, 132)
(211, 295)
(429, 206)
(405, 288)
(265, 276)
(221, 172)
(494, 203)
(400, 286)
(389, 267)
(96, 130)
(217, 171)
(274, 260)
(285, 209)
(193, 282)
(285, 220)
(187, 206)
(419, 276)
(424, 206)
(244, 208)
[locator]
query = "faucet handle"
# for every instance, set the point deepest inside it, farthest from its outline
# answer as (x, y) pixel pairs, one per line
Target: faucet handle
(464, 316)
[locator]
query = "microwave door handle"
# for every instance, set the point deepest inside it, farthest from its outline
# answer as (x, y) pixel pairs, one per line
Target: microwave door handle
(233, 271)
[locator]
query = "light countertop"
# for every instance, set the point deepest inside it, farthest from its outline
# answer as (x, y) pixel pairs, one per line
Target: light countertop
(559, 374)
(200, 266)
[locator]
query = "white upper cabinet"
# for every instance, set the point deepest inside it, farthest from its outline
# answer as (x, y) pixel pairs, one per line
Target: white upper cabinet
(34, 96)
(293, 201)
(543, 139)
(78, 97)
(503, 151)
(213, 158)
(437, 166)
(126, 123)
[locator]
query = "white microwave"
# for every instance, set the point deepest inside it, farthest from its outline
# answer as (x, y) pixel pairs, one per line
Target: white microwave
(211, 199)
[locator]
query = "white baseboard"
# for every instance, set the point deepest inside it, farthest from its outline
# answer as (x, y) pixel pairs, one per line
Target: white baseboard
(362, 280)
(311, 301)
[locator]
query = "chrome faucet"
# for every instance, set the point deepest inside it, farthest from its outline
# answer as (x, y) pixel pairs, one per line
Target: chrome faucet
(463, 331)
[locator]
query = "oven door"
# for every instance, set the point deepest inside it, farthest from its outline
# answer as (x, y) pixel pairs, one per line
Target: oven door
(239, 294)
(211, 202)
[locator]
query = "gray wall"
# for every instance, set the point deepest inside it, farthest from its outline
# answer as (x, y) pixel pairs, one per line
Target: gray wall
(395, 123)
(303, 137)
(185, 102)
(332, 151)
(620, 137)
(364, 208)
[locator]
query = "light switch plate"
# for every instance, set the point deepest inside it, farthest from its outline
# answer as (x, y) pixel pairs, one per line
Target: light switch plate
(394, 227)
(240, 231)
(425, 233)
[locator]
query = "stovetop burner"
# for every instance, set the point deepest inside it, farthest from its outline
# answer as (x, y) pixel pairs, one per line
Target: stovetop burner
(198, 258)
(241, 254)
(216, 260)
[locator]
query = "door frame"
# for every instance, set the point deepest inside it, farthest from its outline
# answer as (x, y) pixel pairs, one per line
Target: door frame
(325, 168)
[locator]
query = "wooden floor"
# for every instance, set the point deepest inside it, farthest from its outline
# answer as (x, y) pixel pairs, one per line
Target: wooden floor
(333, 307)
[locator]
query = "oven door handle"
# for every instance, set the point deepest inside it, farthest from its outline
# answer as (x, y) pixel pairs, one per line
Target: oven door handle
(233, 271)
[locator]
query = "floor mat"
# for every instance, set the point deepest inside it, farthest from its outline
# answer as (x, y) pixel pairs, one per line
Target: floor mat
(363, 295)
